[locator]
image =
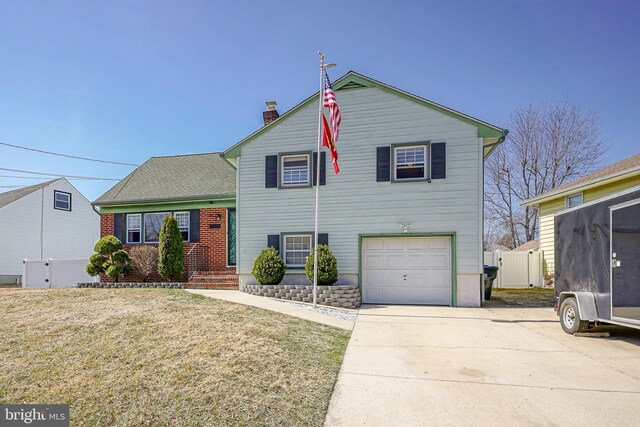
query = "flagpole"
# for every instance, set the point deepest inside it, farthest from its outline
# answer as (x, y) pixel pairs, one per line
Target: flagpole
(315, 232)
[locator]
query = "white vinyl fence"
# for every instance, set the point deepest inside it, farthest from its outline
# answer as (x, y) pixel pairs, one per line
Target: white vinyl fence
(517, 269)
(54, 273)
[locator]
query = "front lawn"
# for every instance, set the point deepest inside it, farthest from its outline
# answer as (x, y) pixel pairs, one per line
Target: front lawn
(527, 297)
(135, 357)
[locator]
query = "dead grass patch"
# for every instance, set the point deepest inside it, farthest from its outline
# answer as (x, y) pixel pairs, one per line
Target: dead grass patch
(159, 357)
(528, 297)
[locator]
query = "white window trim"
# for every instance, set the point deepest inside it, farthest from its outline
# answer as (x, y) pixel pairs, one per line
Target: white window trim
(134, 228)
(566, 203)
(144, 237)
(55, 206)
(283, 184)
(188, 224)
(284, 247)
(425, 148)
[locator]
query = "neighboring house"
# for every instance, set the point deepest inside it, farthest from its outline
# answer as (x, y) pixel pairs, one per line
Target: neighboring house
(198, 190)
(404, 217)
(608, 180)
(531, 245)
(48, 220)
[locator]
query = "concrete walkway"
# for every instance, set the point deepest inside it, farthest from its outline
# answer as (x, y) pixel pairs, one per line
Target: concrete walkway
(274, 305)
(413, 366)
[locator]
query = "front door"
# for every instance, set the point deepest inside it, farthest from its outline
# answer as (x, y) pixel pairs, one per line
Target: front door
(625, 264)
(231, 237)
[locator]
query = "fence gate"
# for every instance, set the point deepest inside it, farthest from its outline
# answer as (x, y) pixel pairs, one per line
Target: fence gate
(517, 269)
(54, 273)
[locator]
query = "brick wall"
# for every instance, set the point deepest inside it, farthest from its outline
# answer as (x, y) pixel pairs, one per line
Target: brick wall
(214, 238)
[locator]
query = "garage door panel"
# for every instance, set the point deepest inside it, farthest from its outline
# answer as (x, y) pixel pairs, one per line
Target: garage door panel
(374, 261)
(416, 260)
(393, 244)
(438, 244)
(406, 270)
(440, 261)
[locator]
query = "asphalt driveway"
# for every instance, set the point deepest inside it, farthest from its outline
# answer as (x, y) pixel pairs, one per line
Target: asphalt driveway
(410, 365)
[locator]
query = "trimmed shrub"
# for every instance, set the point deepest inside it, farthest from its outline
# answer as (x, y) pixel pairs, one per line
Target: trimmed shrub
(109, 259)
(327, 266)
(268, 267)
(145, 260)
(170, 250)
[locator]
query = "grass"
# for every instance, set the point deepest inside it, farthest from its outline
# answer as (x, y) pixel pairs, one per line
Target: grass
(132, 357)
(528, 297)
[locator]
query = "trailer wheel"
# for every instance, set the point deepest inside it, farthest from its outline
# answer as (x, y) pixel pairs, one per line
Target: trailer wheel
(570, 317)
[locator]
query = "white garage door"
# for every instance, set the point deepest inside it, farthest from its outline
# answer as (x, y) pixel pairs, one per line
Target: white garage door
(406, 270)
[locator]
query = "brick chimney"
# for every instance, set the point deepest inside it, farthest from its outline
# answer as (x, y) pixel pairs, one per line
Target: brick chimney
(271, 114)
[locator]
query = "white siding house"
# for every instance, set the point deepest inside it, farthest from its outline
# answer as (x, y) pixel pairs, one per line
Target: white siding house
(407, 241)
(48, 220)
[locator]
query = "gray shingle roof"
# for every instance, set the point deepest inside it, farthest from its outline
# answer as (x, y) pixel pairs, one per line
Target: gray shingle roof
(174, 178)
(13, 195)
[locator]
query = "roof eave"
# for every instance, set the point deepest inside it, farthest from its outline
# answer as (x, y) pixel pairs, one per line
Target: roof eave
(581, 187)
(209, 197)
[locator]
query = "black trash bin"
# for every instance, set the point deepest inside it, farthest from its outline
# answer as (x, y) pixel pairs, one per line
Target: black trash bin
(491, 272)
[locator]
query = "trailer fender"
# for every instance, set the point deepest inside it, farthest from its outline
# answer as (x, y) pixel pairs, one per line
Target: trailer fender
(586, 304)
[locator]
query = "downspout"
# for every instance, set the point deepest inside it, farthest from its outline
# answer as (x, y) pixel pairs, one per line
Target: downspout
(42, 225)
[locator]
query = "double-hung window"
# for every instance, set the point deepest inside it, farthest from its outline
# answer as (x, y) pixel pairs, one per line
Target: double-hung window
(152, 226)
(134, 228)
(61, 200)
(297, 248)
(410, 162)
(295, 170)
(183, 224)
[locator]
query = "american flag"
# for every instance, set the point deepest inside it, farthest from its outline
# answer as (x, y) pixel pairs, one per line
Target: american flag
(331, 103)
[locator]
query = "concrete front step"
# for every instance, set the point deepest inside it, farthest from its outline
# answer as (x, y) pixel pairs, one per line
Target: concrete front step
(208, 285)
(199, 278)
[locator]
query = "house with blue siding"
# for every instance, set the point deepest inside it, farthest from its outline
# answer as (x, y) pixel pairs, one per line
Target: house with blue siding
(404, 217)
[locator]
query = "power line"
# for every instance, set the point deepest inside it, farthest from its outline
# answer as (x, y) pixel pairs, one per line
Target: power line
(13, 186)
(40, 177)
(58, 175)
(67, 155)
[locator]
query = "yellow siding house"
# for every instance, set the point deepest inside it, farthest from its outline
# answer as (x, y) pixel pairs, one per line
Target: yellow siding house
(608, 180)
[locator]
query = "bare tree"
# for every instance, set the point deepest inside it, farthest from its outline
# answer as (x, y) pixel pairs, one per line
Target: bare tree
(145, 260)
(546, 147)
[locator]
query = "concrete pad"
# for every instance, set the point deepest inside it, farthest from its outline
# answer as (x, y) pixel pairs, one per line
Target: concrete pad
(452, 366)
(274, 305)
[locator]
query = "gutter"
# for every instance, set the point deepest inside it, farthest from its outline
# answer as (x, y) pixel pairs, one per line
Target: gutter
(230, 196)
(581, 187)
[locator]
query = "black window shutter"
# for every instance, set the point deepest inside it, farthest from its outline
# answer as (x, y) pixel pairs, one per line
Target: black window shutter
(438, 160)
(323, 168)
(194, 225)
(323, 239)
(273, 240)
(118, 222)
(383, 164)
(271, 172)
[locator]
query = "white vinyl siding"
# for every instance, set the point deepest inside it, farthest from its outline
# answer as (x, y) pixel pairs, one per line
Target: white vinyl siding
(353, 203)
(37, 230)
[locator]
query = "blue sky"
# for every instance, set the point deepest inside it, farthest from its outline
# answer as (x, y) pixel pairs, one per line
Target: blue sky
(126, 80)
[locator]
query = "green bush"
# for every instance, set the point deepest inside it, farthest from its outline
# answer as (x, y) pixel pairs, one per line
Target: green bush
(268, 267)
(327, 266)
(109, 259)
(170, 250)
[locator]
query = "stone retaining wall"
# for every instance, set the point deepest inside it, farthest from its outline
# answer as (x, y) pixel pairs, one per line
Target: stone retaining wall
(166, 285)
(344, 296)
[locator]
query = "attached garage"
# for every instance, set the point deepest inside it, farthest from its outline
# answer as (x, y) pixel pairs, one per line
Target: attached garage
(406, 270)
